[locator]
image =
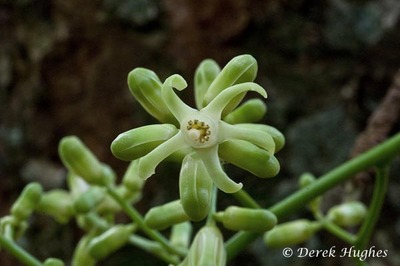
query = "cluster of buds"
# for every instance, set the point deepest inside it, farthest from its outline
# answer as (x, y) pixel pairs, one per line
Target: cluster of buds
(219, 131)
(345, 215)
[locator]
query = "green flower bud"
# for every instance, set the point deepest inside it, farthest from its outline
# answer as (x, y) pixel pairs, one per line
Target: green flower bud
(248, 112)
(89, 200)
(162, 217)
(131, 178)
(53, 262)
(110, 241)
(306, 179)
(204, 75)
(26, 202)
(81, 161)
(180, 234)
(81, 256)
(207, 248)
(277, 136)
(145, 86)
(240, 69)
(58, 204)
(135, 143)
(250, 157)
(291, 233)
(246, 219)
(195, 188)
(348, 214)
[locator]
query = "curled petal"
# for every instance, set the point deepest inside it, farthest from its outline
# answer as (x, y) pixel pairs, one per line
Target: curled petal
(255, 136)
(149, 162)
(178, 108)
(220, 178)
(218, 104)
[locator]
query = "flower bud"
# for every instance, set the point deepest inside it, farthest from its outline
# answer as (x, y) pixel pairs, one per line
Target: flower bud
(26, 202)
(250, 111)
(291, 233)
(204, 75)
(58, 204)
(53, 262)
(163, 216)
(110, 241)
(137, 142)
(195, 188)
(81, 256)
(306, 179)
(81, 161)
(348, 214)
(207, 248)
(240, 69)
(246, 219)
(89, 200)
(145, 86)
(249, 157)
(180, 234)
(277, 136)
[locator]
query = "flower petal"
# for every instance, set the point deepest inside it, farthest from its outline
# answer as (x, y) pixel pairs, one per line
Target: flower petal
(178, 108)
(218, 104)
(149, 162)
(210, 158)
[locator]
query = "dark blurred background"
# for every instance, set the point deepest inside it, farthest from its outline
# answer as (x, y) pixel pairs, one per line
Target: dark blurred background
(329, 67)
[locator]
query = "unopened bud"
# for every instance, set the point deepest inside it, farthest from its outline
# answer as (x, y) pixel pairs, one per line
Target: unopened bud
(348, 214)
(246, 219)
(164, 216)
(27, 201)
(291, 233)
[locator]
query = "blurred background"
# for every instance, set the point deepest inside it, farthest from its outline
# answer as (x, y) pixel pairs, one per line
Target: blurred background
(330, 68)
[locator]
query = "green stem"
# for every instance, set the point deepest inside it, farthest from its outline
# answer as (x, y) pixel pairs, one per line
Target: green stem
(246, 200)
(153, 248)
(138, 219)
(18, 252)
(376, 156)
(378, 197)
(339, 232)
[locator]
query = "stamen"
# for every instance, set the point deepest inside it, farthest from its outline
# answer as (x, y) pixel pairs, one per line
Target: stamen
(198, 130)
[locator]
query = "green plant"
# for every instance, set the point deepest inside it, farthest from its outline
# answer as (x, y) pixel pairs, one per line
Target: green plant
(202, 140)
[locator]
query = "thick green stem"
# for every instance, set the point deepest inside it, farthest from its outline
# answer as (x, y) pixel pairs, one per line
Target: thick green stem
(138, 219)
(18, 252)
(376, 156)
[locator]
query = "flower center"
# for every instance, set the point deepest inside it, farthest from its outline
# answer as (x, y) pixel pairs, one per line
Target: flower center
(200, 132)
